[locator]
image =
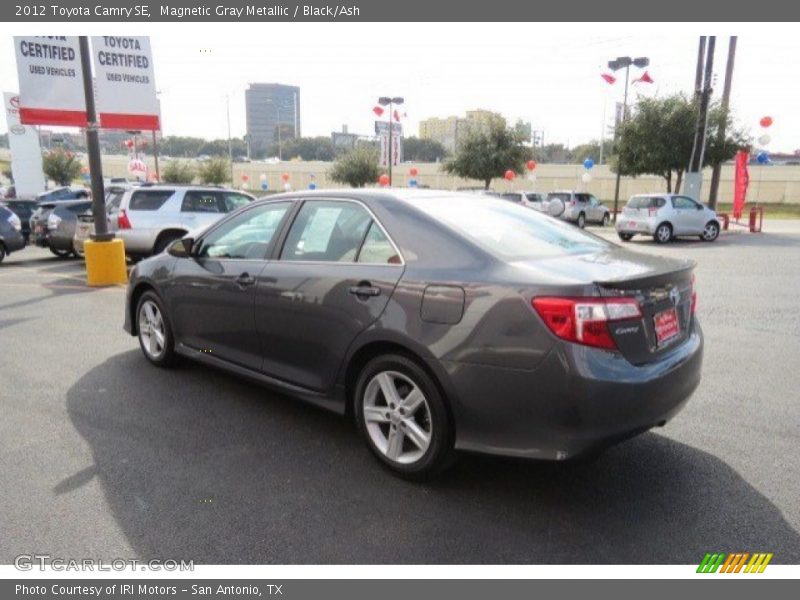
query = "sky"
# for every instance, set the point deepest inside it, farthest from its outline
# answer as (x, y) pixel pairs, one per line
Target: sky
(548, 74)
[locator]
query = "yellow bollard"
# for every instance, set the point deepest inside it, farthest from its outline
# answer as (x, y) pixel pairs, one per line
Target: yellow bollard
(105, 262)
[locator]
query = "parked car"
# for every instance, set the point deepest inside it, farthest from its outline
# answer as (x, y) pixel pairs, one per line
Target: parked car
(11, 238)
(149, 218)
(439, 320)
(576, 207)
(666, 216)
(85, 226)
(53, 225)
(24, 210)
(63, 193)
(529, 199)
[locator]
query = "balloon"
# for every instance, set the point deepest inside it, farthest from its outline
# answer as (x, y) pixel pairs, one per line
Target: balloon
(85, 176)
(383, 180)
(510, 175)
(287, 187)
(762, 158)
(531, 164)
(263, 177)
(412, 183)
(264, 185)
(765, 122)
(588, 163)
(764, 139)
(532, 176)
(587, 177)
(245, 177)
(413, 171)
(285, 177)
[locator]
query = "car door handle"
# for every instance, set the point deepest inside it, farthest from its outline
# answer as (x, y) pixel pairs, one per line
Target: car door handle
(245, 280)
(365, 290)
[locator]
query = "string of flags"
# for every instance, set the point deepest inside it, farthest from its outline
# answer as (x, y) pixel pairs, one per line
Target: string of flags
(611, 80)
(379, 110)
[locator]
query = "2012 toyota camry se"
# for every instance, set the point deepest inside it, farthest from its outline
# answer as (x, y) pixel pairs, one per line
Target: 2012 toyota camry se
(439, 321)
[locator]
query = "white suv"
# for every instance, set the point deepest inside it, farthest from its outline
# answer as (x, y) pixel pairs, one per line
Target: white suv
(576, 207)
(150, 217)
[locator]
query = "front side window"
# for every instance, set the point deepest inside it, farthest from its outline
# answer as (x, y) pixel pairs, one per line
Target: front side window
(327, 231)
(201, 202)
(683, 202)
(247, 235)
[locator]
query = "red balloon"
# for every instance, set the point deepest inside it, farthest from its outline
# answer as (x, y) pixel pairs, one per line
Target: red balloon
(413, 171)
(285, 177)
(510, 175)
(766, 121)
(531, 165)
(383, 179)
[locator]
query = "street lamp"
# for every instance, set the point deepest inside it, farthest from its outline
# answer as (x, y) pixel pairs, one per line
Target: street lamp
(624, 62)
(390, 102)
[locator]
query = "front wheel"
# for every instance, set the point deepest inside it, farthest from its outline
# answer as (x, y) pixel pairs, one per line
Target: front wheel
(154, 331)
(710, 232)
(403, 418)
(581, 221)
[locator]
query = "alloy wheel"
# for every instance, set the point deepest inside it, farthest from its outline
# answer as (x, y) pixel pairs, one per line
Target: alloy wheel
(663, 233)
(710, 232)
(397, 417)
(152, 332)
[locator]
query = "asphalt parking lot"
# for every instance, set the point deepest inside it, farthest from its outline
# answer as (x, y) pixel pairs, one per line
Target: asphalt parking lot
(104, 456)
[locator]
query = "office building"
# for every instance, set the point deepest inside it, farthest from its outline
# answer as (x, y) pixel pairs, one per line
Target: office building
(273, 115)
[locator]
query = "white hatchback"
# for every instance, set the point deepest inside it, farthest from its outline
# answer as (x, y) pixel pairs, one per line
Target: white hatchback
(666, 216)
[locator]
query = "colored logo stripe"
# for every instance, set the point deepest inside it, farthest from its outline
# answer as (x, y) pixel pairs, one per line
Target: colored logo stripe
(734, 562)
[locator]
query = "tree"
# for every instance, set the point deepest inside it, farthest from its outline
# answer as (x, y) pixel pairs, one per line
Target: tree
(590, 149)
(658, 138)
(215, 171)
(61, 166)
(423, 150)
(357, 167)
(489, 151)
(311, 148)
(552, 153)
(177, 171)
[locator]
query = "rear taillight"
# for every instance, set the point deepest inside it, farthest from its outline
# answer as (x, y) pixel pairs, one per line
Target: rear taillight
(571, 203)
(123, 222)
(585, 320)
(653, 212)
(694, 295)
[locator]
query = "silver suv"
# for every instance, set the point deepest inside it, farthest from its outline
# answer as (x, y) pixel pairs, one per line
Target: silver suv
(150, 217)
(576, 207)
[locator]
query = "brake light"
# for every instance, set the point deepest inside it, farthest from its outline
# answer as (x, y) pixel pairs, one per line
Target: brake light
(571, 202)
(123, 222)
(585, 320)
(694, 296)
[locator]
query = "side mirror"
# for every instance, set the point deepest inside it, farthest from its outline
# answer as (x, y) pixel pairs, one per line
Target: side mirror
(699, 207)
(181, 248)
(188, 245)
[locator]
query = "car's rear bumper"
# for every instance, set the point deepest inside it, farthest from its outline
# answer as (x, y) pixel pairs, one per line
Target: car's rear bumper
(634, 226)
(577, 400)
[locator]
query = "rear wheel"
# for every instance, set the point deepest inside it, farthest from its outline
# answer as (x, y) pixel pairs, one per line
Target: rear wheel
(663, 233)
(2, 252)
(154, 331)
(710, 232)
(581, 220)
(60, 253)
(625, 237)
(605, 220)
(78, 251)
(403, 418)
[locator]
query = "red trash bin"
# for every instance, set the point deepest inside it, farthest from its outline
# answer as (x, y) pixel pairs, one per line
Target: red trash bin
(756, 219)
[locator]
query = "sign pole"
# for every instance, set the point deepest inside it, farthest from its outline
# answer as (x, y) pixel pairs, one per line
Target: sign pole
(101, 233)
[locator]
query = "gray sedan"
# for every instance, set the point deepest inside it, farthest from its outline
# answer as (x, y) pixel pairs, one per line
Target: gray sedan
(438, 321)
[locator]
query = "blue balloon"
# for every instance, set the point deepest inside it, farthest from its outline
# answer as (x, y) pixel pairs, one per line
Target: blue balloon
(588, 163)
(312, 186)
(264, 185)
(762, 158)
(412, 183)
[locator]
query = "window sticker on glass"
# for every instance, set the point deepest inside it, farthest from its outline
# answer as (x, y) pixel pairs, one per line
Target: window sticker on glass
(318, 230)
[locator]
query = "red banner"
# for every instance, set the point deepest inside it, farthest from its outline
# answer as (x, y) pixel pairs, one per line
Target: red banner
(741, 181)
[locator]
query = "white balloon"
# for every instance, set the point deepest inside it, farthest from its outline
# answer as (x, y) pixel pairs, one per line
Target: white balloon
(587, 177)
(263, 177)
(287, 186)
(764, 139)
(531, 176)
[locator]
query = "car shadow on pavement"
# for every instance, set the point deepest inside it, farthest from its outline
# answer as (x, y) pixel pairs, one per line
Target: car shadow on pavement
(196, 464)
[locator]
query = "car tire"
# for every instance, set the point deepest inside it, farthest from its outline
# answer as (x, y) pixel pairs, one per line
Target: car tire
(60, 253)
(164, 240)
(154, 331)
(403, 418)
(605, 220)
(710, 232)
(625, 237)
(76, 252)
(663, 233)
(2, 252)
(581, 222)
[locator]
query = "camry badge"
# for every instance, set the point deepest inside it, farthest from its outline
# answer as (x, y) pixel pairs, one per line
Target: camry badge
(675, 296)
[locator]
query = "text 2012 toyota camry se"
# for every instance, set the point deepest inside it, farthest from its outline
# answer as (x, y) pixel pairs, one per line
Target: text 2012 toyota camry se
(439, 321)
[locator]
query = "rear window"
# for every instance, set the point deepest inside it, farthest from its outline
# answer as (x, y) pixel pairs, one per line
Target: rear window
(512, 197)
(646, 202)
(79, 208)
(563, 196)
(507, 230)
(149, 199)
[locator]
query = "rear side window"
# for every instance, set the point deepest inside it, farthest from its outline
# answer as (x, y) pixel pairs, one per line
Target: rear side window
(201, 202)
(149, 199)
(377, 249)
(327, 232)
(533, 197)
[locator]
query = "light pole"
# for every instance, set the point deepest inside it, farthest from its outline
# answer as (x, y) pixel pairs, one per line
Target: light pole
(390, 102)
(230, 143)
(624, 62)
